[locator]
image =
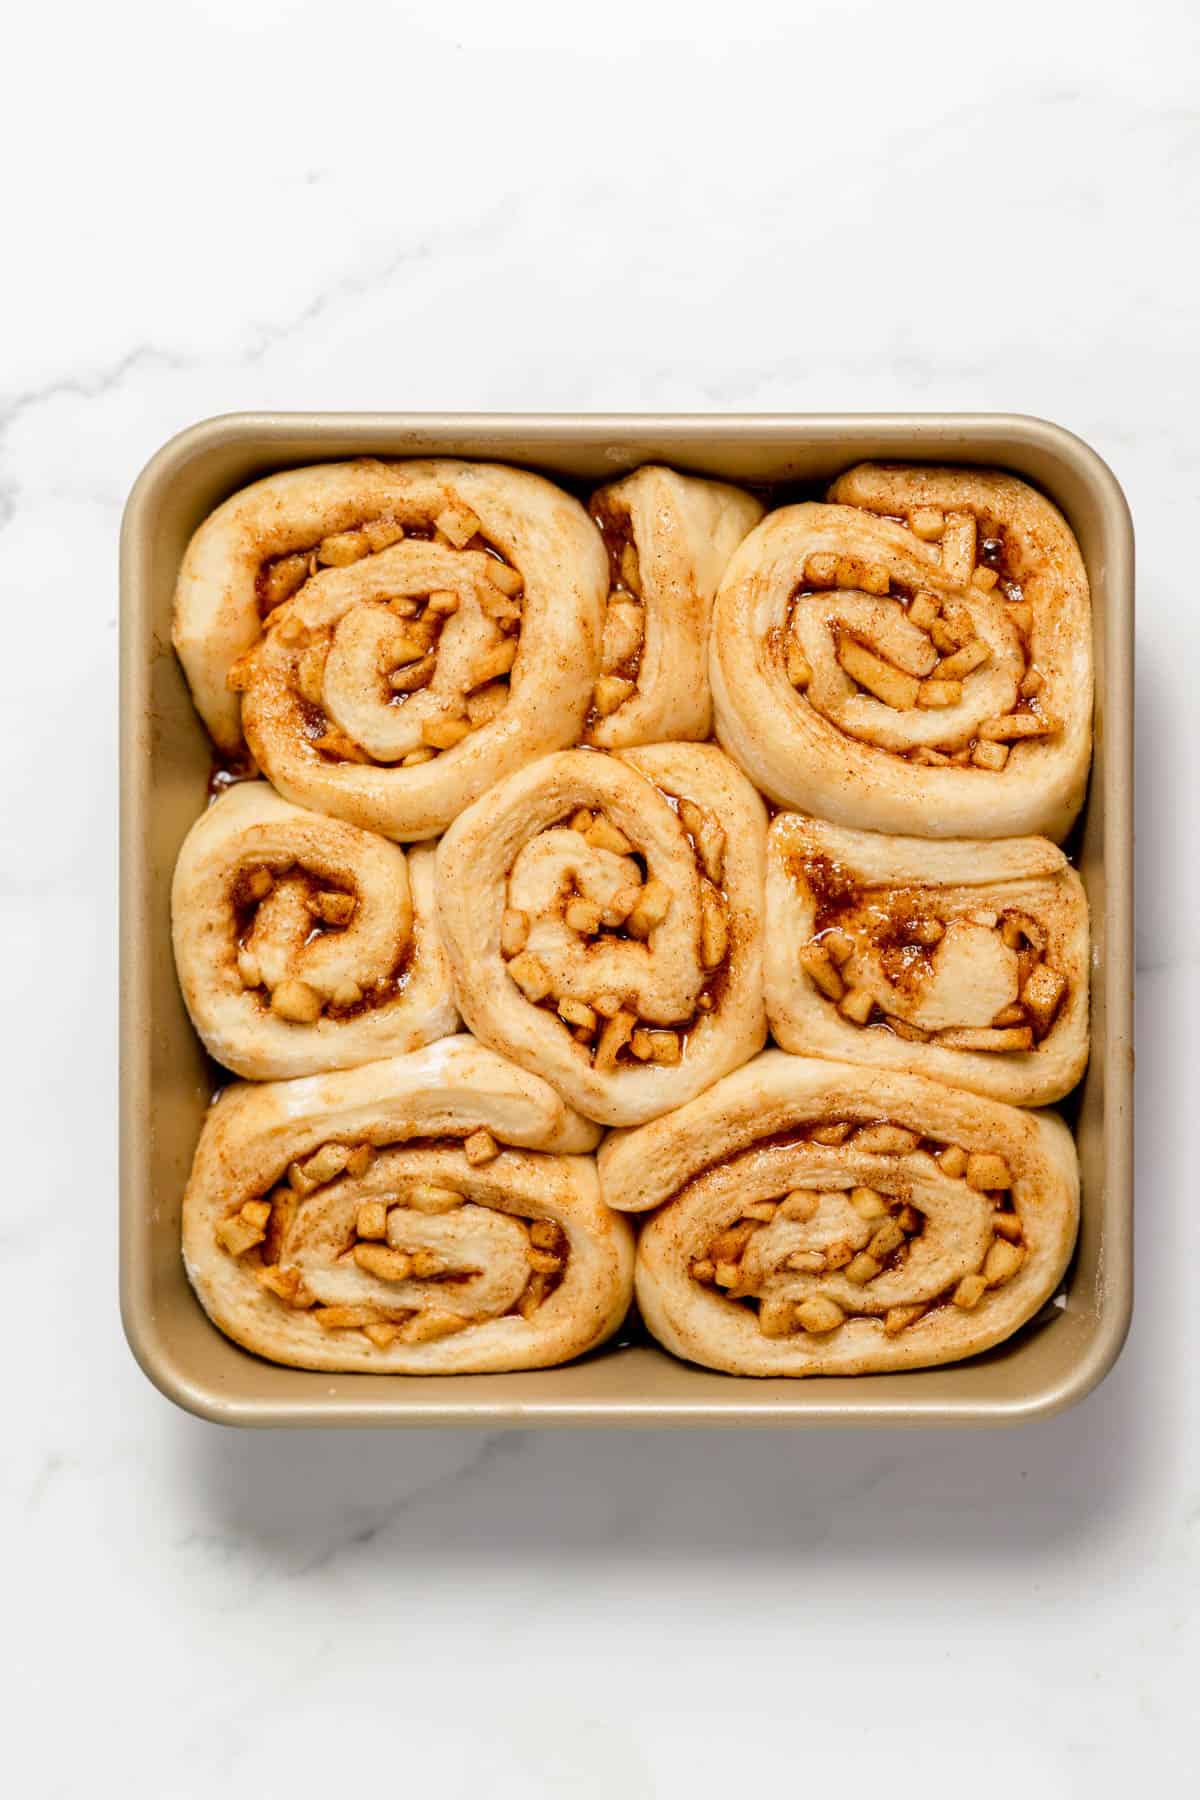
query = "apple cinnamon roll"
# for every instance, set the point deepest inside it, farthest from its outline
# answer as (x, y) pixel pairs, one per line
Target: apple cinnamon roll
(963, 960)
(431, 1214)
(303, 943)
(913, 657)
(822, 1219)
(602, 916)
(391, 638)
(668, 538)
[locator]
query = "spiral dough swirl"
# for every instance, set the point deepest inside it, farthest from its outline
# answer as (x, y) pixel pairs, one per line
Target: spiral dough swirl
(389, 638)
(820, 1219)
(426, 1214)
(602, 916)
(669, 538)
(966, 960)
(914, 657)
(303, 943)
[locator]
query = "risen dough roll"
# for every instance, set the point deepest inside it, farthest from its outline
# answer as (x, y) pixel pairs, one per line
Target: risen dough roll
(669, 538)
(426, 1215)
(602, 916)
(393, 637)
(820, 1219)
(915, 657)
(303, 943)
(964, 960)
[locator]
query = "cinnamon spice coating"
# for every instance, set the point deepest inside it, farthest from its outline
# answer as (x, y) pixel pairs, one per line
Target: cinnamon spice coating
(350, 1222)
(465, 659)
(303, 943)
(390, 638)
(603, 920)
(966, 960)
(913, 656)
(815, 1218)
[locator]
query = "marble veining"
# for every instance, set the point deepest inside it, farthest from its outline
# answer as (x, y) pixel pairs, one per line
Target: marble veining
(218, 206)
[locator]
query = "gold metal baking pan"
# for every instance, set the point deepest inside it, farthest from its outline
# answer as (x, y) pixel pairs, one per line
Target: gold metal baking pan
(166, 1081)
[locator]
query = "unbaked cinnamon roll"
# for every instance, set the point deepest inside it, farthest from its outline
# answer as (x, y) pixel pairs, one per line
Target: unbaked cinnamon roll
(964, 960)
(602, 916)
(822, 1219)
(426, 1215)
(668, 537)
(303, 943)
(913, 657)
(393, 637)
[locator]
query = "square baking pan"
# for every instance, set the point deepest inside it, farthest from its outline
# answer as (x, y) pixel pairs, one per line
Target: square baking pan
(166, 1080)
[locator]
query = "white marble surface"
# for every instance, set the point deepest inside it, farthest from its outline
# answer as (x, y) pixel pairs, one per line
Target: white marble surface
(219, 204)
